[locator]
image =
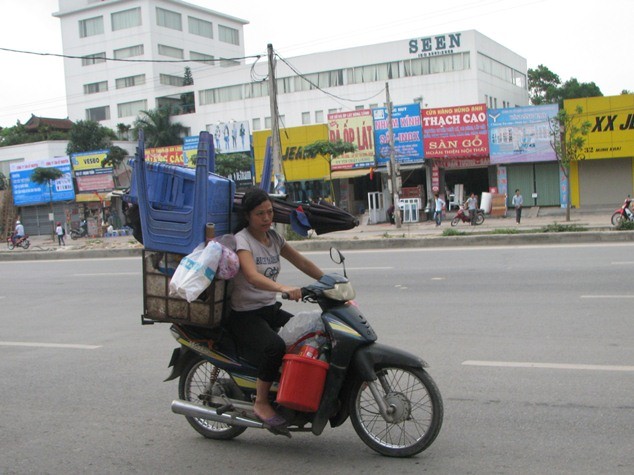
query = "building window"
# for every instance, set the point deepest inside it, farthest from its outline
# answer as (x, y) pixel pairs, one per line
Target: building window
(267, 123)
(256, 124)
(98, 114)
(228, 35)
(96, 87)
(93, 59)
(168, 19)
(91, 27)
(126, 19)
(358, 108)
(333, 111)
(128, 109)
(501, 71)
(305, 118)
(222, 94)
(170, 51)
(128, 52)
(130, 81)
(200, 27)
(202, 58)
(319, 117)
(169, 80)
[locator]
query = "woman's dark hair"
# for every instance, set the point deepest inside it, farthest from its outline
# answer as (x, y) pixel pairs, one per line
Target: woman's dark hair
(252, 198)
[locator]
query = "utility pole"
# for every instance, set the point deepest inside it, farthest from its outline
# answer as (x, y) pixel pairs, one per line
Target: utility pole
(395, 175)
(276, 145)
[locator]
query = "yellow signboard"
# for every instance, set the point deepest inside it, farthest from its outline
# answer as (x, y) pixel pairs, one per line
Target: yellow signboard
(611, 125)
(296, 164)
(88, 160)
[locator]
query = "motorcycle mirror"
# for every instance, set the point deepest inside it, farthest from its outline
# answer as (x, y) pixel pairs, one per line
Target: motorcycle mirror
(337, 257)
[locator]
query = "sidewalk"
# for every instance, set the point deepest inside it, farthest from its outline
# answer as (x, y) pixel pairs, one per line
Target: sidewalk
(596, 222)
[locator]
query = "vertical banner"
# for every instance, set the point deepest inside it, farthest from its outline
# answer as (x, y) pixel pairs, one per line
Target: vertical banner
(353, 127)
(456, 131)
(408, 135)
(503, 187)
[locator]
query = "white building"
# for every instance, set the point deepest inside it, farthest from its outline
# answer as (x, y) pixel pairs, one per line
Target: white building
(437, 70)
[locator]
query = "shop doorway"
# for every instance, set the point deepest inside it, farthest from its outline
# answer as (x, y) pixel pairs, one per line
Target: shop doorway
(474, 180)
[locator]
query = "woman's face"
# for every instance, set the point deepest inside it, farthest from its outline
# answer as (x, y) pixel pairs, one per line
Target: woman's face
(261, 217)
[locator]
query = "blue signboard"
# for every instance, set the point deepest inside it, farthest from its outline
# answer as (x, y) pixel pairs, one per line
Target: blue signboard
(407, 130)
(521, 134)
(27, 192)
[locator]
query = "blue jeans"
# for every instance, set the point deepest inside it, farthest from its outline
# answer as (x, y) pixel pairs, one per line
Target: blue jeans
(438, 217)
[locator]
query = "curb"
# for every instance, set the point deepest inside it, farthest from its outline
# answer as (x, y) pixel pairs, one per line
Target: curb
(478, 240)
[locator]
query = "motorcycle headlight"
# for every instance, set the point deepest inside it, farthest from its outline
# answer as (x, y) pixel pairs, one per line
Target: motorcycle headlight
(341, 292)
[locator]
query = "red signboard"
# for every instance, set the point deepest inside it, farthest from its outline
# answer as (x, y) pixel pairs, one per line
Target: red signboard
(455, 131)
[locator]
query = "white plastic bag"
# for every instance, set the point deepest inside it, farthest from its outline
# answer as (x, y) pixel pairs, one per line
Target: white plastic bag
(302, 324)
(195, 271)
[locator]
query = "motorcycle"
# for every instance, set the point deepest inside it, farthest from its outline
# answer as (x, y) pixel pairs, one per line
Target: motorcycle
(81, 232)
(393, 403)
(623, 214)
(22, 242)
(465, 218)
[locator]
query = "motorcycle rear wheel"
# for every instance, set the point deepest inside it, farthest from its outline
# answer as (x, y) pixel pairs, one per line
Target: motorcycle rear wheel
(455, 221)
(418, 412)
(479, 219)
(25, 244)
(617, 219)
(194, 385)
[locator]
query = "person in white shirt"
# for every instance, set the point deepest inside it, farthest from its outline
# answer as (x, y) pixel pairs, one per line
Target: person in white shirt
(518, 202)
(439, 207)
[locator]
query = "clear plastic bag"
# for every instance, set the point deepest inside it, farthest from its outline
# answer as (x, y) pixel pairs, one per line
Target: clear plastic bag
(301, 325)
(195, 271)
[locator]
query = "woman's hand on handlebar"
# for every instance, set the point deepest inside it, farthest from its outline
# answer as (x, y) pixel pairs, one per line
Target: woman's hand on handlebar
(292, 293)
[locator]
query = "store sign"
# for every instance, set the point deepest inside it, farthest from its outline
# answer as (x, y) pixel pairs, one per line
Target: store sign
(296, 163)
(27, 192)
(611, 125)
(456, 131)
(231, 137)
(353, 127)
(172, 155)
(89, 173)
(408, 135)
(435, 45)
(521, 134)
(461, 163)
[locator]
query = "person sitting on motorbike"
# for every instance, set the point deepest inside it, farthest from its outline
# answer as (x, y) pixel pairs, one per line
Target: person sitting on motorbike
(19, 232)
(472, 206)
(256, 316)
(626, 206)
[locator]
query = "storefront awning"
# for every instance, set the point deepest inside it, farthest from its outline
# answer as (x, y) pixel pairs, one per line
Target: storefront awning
(350, 173)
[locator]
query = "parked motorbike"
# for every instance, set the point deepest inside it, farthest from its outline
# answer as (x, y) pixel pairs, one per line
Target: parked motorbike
(393, 403)
(80, 232)
(465, 218)
(22, 242)
(624, 213)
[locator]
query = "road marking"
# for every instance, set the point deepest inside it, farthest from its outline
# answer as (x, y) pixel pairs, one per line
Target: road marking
(606, 296)
(49, 345)
(105, 274)
(518, 364)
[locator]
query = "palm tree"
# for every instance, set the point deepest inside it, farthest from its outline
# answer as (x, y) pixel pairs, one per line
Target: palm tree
(158, 128)
(41, 176)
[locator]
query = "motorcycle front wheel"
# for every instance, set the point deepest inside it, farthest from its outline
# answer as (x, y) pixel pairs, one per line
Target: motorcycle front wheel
(417, 412)
(617, 219)
(10, 245)
(200, 380)
(455, 221)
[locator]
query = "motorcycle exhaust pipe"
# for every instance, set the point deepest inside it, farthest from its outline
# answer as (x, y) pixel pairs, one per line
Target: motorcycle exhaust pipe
(193, 410)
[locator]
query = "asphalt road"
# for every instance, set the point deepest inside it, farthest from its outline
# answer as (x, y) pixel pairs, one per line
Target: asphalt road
(532, 348)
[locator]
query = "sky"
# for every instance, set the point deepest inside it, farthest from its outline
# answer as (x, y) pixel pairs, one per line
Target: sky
(584, 39)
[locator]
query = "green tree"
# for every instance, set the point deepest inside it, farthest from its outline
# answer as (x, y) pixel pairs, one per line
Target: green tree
(41, 176)
(158, 128)
(329, 150)
(568, 133)
(88, 136)
(4, 183)
(545, 87)
(188, 105)
(123, 131)
(229, 163)
(115, 158)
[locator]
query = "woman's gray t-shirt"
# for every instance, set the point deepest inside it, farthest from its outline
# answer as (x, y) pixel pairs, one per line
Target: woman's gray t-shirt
(245, 296)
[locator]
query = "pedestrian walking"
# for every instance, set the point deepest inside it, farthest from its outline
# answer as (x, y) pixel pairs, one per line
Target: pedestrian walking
(438, 209)
(61, 232)
(518, 202)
